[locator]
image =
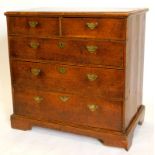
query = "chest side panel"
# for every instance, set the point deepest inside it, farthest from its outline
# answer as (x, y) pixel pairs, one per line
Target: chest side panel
(134, 66)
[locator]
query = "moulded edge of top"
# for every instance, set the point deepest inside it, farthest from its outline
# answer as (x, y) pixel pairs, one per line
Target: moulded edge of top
(116, 14)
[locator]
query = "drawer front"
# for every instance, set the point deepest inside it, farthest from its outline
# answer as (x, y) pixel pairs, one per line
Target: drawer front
(108, 83)
(69, 51)
(106, 28)
(68, 108)
(33, 26)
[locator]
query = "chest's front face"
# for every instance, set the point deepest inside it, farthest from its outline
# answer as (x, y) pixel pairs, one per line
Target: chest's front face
(71, 76)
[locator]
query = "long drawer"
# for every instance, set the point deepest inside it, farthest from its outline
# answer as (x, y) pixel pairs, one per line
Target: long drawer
(107, 53)
(108, 83)
(68, 108)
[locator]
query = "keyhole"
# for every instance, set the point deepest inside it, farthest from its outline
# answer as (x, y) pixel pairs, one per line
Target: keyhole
(61, 45)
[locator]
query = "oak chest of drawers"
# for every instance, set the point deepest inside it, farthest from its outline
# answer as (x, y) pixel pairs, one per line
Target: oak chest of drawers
(79, 72)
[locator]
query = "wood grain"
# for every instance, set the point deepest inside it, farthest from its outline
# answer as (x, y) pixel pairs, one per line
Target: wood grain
(106, 28)
(74, 51)
(109, 83)
(53, 108)
(134, 66)
(57, 83)
(45, 26)
(107, 137)
(115, 13)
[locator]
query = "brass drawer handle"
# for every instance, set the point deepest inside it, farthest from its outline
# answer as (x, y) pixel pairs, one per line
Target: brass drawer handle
(64, 98)
(92, 77)
(91, 49)
(61, 45)
(35, 71)
(38, 99)
(33, 24)
(92, 26)
(62, 70)
(34, 45)
(92, 107)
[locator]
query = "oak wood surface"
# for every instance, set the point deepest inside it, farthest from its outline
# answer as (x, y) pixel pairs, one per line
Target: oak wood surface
(74, 110)
(20, 26)
(107, 137)
(106, 28)
(50, 64)
(134, 66)
(45, 12)
(108, 53)
(109, 82)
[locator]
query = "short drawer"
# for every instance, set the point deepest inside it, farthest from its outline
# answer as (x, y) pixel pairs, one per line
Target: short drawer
(68, 108)
(68, 51)
(108, 83)
(33, 26)
(106, 28)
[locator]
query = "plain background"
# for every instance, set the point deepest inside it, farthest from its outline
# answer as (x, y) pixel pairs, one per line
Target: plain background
(41, 141)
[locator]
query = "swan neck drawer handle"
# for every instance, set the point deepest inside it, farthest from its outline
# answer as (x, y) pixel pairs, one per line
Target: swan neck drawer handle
(92, 26)
(92, 77)
(38, 99)
(92, 107)
(33, 24)
(35, 71)
(91, 49)
(64, 98)
(34, 45)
